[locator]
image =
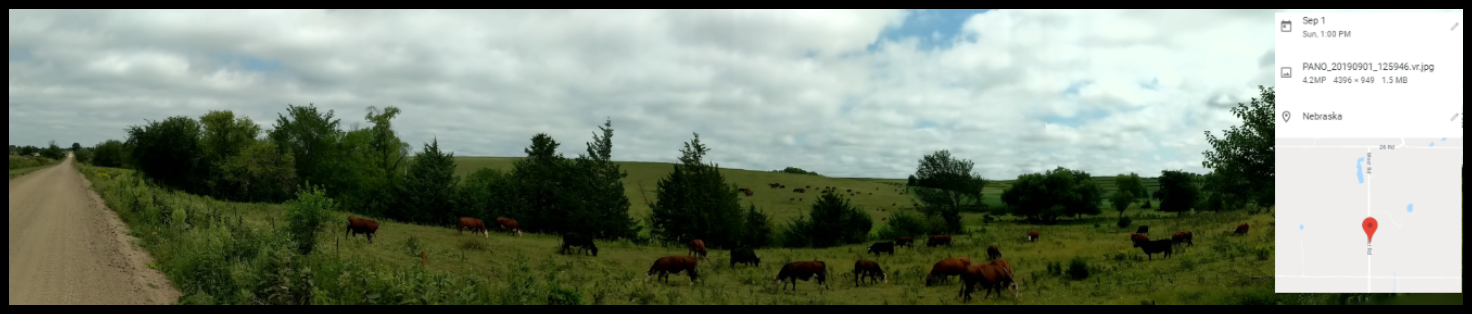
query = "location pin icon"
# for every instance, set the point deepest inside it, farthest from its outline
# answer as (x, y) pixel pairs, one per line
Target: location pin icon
(1286, 115)
(1370, 225)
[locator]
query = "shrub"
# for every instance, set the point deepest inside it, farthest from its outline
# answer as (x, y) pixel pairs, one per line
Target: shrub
(1263, 252)
(306, 216)
(412, 246)
(1125, 222)
(1078, 269)
(832, 222)
(903, 224)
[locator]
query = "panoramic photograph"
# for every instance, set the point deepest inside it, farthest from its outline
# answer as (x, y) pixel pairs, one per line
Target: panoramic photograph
(717, 157)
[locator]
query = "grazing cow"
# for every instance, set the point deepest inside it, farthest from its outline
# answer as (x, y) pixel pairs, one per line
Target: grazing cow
(474, 225)
(850, 191)
(944, 269)
(992, 277)
(697, 248)
(905, 242)
(749, 193)
(868, 268)
(1137, 238)
(797, 190)
(582, 242)
(674, 265)
(365, 227)
(879, 248)
(993, 253)
(1182, 237)
(938, 241)
(745, 256)
(1143, 230)
(804, 271)
(1242, 229)
(511, 226)
(1032, 236)
(1155, 247)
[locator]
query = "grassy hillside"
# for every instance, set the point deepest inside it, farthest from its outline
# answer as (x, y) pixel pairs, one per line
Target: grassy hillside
(781, 204)
(473, 269)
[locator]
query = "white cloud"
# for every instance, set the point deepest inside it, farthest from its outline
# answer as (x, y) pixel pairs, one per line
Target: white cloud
(484, 82)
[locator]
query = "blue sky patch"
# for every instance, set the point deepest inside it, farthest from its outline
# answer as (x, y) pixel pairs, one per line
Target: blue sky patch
(253, 64)
(934, 28)
(18, 54)
(1153, 84)
(1077, 119)
(1073, 89)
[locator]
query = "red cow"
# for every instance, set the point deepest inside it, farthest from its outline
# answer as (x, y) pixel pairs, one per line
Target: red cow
(674, 265)
(1182, 237)
(509, 225)
(944, 269)
(1032, 236)
(905, 241)
(474, 225)
(870, 269)
(992, 277)
(1137, 238)
(993, 252)
(749, 193)
(804, 271)
(1242, 229)
(697, 248)
(365, 227)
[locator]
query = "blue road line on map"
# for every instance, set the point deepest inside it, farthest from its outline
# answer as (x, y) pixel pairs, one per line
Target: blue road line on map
(1360, 168)
(1410, 207)
(1300, 227)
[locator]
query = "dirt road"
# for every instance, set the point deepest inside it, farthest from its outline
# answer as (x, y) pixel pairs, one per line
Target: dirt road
(66, 248)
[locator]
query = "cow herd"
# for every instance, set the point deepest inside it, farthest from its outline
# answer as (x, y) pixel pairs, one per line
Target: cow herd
(994, 276)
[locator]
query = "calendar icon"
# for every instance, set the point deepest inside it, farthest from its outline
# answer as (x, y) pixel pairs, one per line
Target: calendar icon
(1286, 26)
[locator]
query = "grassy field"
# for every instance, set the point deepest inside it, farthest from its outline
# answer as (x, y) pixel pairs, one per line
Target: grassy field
(20, 166)
(472, 269)
(782, 205)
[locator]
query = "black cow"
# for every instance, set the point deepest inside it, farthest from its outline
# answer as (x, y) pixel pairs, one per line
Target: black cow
(878, 248)
(1156, 247)
(582, 242)
(745, 256)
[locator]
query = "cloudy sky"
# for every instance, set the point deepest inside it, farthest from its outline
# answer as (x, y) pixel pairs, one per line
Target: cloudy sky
(861, 93)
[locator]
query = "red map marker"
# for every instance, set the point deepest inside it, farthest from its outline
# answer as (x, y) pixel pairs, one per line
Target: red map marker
(1370, 225)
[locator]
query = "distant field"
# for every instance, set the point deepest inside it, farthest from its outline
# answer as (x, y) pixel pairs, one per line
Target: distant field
(780, 203)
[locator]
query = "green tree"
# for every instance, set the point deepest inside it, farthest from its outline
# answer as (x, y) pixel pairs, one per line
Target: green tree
(1121, 201)
(605, 207)
(29, 151)
(1178, 191)
(1131, 183)
(487, 194)
(427, 194)
(1243, 156)
(53, 152)
(168, 152)
(371, 163)
(832, 222)
(757, 230)
(1058, 192)
(224, 136)
(944, 184)
(311, 137)
(542, 187)
(259, 173)
(306, 216)
(76, 147)
(695, 202)
(110, 154)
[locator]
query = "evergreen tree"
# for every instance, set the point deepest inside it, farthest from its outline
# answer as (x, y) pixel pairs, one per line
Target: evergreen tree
(427, 194)
(605, 213)
(695, 202)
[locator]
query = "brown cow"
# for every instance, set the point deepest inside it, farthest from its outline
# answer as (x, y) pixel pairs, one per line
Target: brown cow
(804, 271)
(509, 225)
(674, 265)
(474, 225)
(1182, 237)
(1242, 229)
(697, 248)
(939, 241)
(870, 269)
(992, 277)
(905, 241)
(749, 193)
(993, 253)
(365, 227)
(944, 269)
(1137, 238)
(1032, 236)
